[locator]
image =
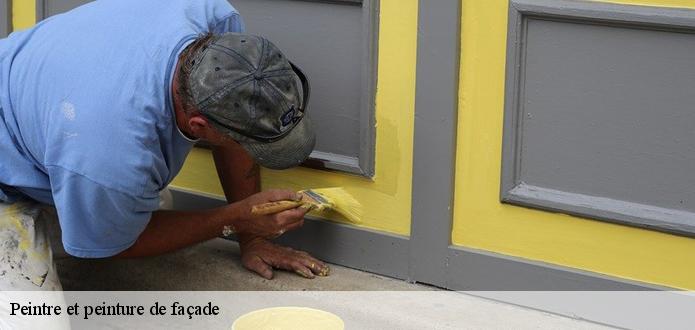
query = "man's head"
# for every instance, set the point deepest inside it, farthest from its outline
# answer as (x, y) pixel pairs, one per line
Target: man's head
(242, 87)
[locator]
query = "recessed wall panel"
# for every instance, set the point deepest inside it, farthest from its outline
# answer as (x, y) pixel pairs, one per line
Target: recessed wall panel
(601, 113)
(334, 42)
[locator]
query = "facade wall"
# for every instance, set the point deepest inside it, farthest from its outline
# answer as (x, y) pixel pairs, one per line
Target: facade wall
(481, 221)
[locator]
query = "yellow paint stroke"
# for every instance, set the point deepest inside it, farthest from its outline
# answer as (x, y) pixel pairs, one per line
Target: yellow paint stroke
(387, 198)
(482, 222)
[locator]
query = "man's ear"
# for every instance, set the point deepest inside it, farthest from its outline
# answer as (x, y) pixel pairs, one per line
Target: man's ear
(199, 126)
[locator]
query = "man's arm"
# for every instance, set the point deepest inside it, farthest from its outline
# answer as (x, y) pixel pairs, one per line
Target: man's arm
(172, 230)
(240, 177)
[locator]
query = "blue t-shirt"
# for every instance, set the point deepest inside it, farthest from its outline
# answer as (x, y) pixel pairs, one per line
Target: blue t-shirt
(86, 115)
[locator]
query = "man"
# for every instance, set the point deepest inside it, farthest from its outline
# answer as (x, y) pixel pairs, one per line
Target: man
(99, 108)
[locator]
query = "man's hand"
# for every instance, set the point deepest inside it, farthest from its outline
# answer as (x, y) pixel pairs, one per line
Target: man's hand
(240, 178)
(261, 256)
(268, 226)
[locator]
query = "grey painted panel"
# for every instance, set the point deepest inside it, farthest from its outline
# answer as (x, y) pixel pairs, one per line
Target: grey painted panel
(599, 112)
(334, 42)
(47, 8)
(5, 18)
(436, 106)
(325, 40)
(344, 2)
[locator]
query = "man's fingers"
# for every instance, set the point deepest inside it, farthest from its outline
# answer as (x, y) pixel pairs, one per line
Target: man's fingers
(256, 264)
(302, 270)
(285, 218)
(294, 264)
(305, 265)
(293, 226)
(317, 267)
(282, 195)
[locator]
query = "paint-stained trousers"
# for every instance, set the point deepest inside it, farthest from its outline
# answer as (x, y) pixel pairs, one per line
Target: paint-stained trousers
(26, 264)
(26, 259)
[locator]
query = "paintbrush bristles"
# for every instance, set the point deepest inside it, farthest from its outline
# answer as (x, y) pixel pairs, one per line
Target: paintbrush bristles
(338, 200)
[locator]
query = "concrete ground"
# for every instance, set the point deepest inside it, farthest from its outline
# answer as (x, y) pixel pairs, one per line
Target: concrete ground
(211, 266)
(216, 266)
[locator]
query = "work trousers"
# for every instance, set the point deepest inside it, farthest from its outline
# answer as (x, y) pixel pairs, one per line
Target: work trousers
(27, 271)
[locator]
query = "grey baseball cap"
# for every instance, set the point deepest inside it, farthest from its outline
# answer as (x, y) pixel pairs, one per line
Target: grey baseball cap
(246, 87)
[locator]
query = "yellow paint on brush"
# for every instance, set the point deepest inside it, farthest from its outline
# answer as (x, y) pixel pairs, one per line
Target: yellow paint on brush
(482, 222)
(23, 14)
(336, 201)
(386, 199)
(319, 202)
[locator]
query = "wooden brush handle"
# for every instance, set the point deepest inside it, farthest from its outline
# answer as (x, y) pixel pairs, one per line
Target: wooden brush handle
(274, 207)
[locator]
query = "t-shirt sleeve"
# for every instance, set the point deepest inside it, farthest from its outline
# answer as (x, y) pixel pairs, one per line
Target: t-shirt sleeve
(231, 23)
(96, 221)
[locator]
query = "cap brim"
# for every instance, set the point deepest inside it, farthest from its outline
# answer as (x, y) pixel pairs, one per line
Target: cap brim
(288, 152)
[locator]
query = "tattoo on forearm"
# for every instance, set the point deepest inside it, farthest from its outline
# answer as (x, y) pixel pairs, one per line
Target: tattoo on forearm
(253, 172)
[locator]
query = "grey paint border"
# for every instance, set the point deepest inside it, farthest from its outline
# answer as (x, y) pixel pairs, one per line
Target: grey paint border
(371, 18)
(513, 190)
(478, 270)
(342, 2)
(6, 14)
(40, 10)
(434, 145)
(362, 165)
(391, 255)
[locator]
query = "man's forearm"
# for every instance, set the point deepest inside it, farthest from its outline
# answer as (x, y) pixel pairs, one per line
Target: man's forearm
(168, 231)
(172, 230)
(239, 175)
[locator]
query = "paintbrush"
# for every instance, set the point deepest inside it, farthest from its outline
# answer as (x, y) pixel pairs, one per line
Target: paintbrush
(336, 199)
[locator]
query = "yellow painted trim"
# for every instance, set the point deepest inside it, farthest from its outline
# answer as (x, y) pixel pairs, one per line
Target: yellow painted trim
(481, 221)
(23, 14)
(386, 199)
